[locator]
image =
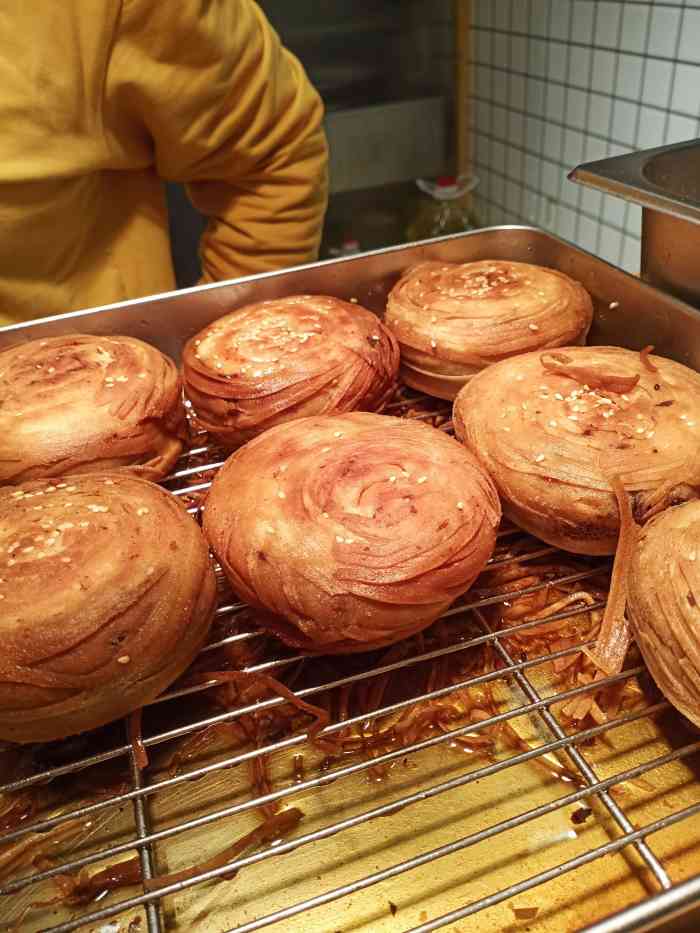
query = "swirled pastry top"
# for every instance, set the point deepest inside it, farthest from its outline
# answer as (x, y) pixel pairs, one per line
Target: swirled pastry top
(552, 428)
(106, 594)
(287, 358)
(358, 530)
(80, 403)
(457, 318)
(664, 604)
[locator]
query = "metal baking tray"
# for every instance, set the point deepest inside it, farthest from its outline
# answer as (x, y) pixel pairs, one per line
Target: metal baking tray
(446, 840)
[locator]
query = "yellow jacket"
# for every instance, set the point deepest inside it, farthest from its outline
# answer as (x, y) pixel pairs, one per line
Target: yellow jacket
(102, 100)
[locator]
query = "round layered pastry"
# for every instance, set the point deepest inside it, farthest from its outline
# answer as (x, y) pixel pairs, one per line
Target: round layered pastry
(454, 319)
(106, 595)
(664, 604)
(555, 429)
(352, 532)
(287, 358)
(80, 403)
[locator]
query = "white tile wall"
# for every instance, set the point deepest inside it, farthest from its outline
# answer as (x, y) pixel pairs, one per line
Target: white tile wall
(559, 82)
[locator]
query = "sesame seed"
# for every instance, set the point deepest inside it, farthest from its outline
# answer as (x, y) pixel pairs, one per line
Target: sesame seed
(573, 417)
(533, 327)
(61, 485)
(96, 508)
(337, 434)
(281, 494)
(626, 398)
(460, 506)
(507, 430)
(124, 659)
(613, 305)
(11, 563)
(64, 526)
(349, 540)
(608, 414)
(51, 369)
(691, 424)
(83, 524)
(37, 508)
(142, 511)
(141, 376)
(325, 514)
(691, 556)
(339, 539)
(539, 458)
(640, 430)
(257, 373)
(353, 301)
(17, 495)
(558, 396)
(433, 344)
(66, 560)
(27, 550)
(422, 479)
(324, 450)
(108, 482)
(219, 365)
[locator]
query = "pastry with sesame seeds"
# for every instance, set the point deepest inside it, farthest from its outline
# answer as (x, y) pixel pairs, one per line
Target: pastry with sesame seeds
(374, 538)
(287, 358)
(82, 403)
(106, 596)
(454, 319)
(663, 604)
(554, 429)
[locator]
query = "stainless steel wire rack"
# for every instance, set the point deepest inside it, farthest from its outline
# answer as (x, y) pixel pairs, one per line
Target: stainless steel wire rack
(468, 834)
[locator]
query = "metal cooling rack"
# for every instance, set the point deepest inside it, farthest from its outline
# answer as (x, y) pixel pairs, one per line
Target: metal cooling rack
(191, 479)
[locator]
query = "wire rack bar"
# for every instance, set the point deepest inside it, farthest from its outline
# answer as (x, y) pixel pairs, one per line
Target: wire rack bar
(582, 765)
(466, 842)
(395, 806)
(331, 776)
(145, 851)
(653, 913)
(556, 872)
(168, 735)
(301, 738)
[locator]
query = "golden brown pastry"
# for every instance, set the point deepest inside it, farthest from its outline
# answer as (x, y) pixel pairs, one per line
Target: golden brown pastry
(355, 531)
(552, 429)
(287, 358)
(454, 319)
(106, 595)
(80, 403)
(663, 604)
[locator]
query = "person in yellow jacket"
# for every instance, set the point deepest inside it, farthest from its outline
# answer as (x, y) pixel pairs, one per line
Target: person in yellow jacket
(102, 101)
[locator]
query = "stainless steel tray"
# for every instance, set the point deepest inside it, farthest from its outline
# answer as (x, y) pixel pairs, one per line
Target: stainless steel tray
(464, 843)
(628, 312)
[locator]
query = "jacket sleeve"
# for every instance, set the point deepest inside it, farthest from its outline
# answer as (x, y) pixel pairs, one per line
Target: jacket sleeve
(222, 107)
